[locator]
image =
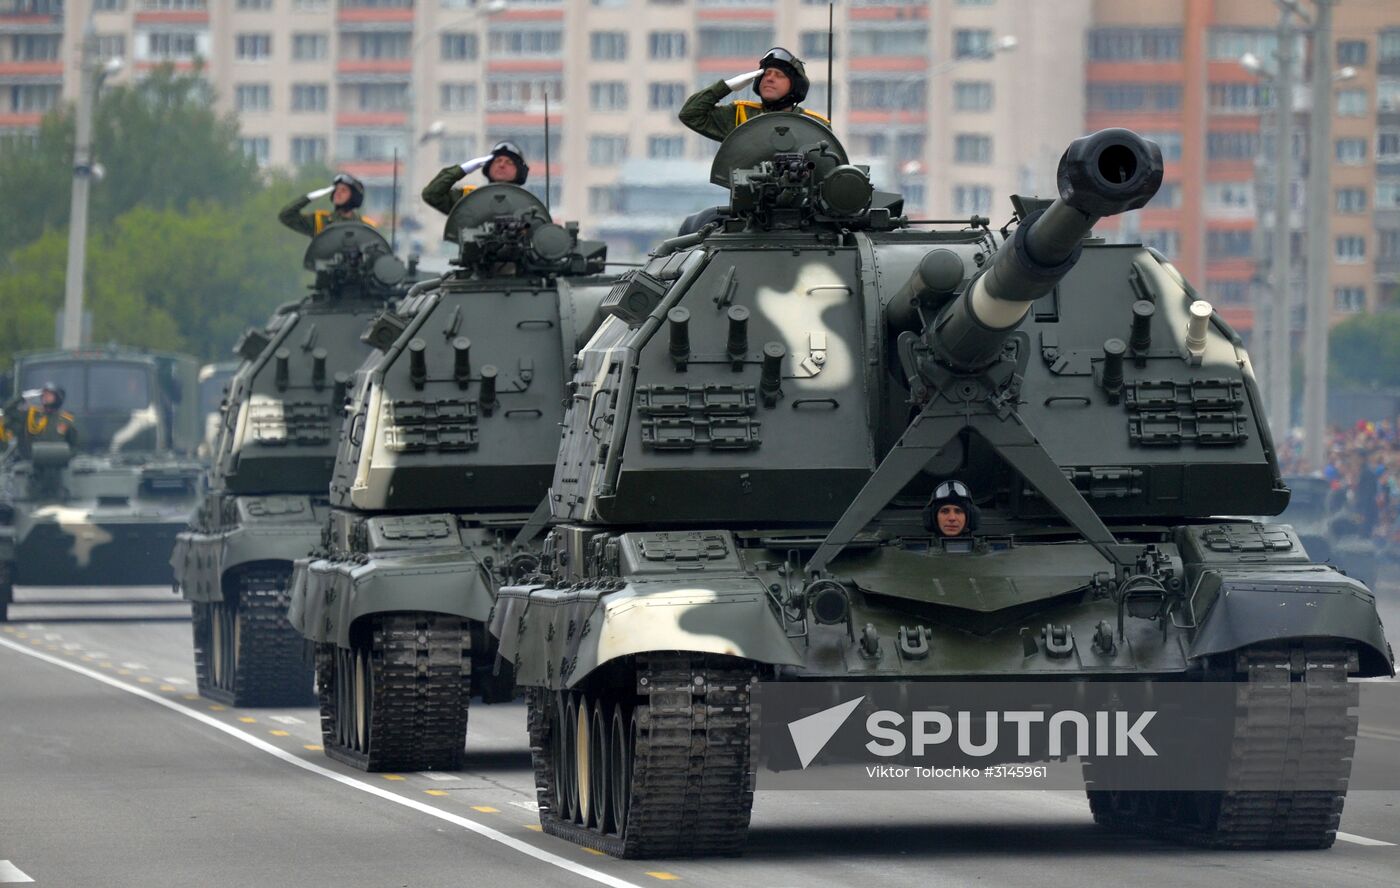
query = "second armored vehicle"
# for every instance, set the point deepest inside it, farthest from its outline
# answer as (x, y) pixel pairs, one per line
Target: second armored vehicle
(448, 448)
(271, 468)
(753, 439)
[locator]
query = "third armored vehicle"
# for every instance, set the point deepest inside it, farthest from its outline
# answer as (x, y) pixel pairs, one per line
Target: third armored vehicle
(755, 432)
(448, 447)
(271, 468)
(105, 513)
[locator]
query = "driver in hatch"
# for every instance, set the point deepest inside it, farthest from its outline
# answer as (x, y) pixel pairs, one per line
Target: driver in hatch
(950, 512)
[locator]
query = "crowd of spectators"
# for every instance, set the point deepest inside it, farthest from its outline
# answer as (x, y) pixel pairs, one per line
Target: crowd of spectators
(1363, 468)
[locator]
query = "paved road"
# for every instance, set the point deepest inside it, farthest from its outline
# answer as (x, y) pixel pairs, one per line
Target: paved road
(113, 773)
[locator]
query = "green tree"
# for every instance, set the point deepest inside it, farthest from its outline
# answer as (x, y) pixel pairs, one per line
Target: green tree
(160, 141)
(1366, 349)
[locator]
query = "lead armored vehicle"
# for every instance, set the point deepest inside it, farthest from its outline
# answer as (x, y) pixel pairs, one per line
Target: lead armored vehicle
(755, 432)
(448, 448)
(271, 467)
(106, 511)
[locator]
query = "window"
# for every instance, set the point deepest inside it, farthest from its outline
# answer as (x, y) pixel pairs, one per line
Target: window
(1229, 292)
(1166, 241)
(374, 96)
(816, 97)
(604, 199)
(972, 148)
(378, 45)
(1227, 45)
(527, 42)
(870, 144)
(1350, 151)
(252, 97)
(1388, 243)
(607, 150)
(253, 4)
(111, 46)
(1388, 46)
(173, 5)
(308, 149)
(666, 147)
(1388, 195)
(459, 47)
(1351, 200)
(1230, 199)
(34, 47)
(903, 39)
(892, 94)
(972, 43)
(735, 42)
(1145, 97)
(1168, 197)
(457, 97)
(1350, 249)
(1351, 52)
(455, 149)
(813, 45)
(1222, 244)
(522, 92)
(108, 5)
(255, 147)
(665, 96)
(531, 145)
(1231, 145)
(310, 5)
(1240, 98)
(310, 96)
(1349, 299)
(171, 45)
(252, 47)
(607, 46)
(972, 95)
(29, 98)
(1351, 102)
(1134, 44)
(1388, 146)
(310, 47)
(1388, 94)
(908, 146)
(666, 44)
(1169, 141)
(372, 145)
(607, 95)
(971, 200)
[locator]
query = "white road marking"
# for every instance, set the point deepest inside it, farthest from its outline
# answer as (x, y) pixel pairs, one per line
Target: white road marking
(528, 806)
(170, 679)
(1362, 840)
(52, 636)
(286, 719)
(9, 873)
(72, 646)
(440, 777)
(480, 829)
(135, 667)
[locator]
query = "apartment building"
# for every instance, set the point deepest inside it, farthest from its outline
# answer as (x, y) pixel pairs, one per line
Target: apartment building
(1172, 70)
(929, 92)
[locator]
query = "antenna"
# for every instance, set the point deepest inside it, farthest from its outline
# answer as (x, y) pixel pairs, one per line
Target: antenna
(394, 208)
(547, 189)
(830, 51)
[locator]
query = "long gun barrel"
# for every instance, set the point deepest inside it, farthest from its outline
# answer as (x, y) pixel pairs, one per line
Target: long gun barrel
(1103, 174)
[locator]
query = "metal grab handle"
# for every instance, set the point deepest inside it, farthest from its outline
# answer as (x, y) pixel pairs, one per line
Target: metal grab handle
(1078, 400)
(532, 411)
(831, 402)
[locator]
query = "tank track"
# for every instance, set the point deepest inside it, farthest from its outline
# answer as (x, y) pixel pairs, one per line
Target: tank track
(419, 675)
(692, 759)
(270, 667)
(1292, 718)
(7, 590)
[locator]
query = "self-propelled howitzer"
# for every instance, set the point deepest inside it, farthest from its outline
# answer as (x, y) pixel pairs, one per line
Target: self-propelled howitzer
(447, 449)
(753, 438)
(271, 468)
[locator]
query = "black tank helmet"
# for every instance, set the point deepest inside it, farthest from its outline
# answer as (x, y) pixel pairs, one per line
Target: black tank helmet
(951, 493)
(511, 150)
(357, 191)
(790, 65)
(59, 394)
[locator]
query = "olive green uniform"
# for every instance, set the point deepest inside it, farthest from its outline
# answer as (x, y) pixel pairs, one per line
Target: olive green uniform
(438, 193)
(26, 426)
(703, 113)
(311, 224)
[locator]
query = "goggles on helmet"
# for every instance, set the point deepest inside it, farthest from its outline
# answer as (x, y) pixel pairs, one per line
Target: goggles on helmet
(950, 489)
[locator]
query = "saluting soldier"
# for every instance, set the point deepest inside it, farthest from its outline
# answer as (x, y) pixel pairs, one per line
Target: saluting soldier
(47, 421)
(780, 82)
(347, 194)
(505, 163)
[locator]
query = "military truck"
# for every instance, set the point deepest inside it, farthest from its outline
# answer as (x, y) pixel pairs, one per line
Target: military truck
(271, 468)
(107, 511)
(753, 435)
(448, 448)
(213, 386)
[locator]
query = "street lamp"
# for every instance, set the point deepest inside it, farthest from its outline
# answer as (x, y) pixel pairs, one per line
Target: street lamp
(92, 73)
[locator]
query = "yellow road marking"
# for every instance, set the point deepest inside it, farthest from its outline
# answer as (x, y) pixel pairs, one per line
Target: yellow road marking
(105, 665)
(123, 671)
(36, 641)
(314, 747)
(10, 629)
(665, 877)
(145, 680)
(89, 658)
(247, 719)
(393, 776)
(279, 733)
(595, 851)
(169, 688)
(190, 696)
(21, 635)
(436, 792)
(486, 809)
(535, 826)
(217, 707)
